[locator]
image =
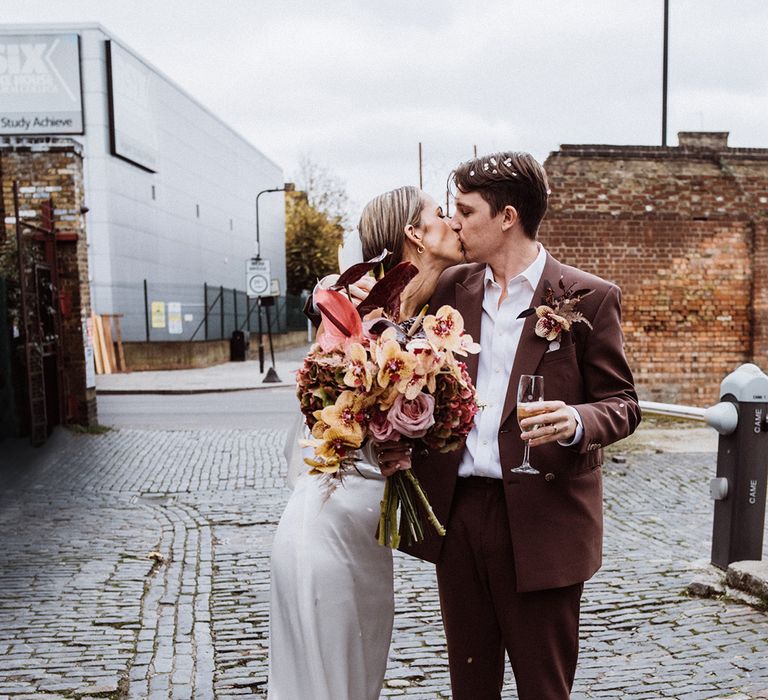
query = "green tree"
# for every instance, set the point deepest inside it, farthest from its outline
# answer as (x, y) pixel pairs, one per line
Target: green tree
(315, 220)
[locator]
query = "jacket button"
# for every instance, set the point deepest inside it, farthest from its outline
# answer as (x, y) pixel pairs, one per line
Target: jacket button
(549, 476)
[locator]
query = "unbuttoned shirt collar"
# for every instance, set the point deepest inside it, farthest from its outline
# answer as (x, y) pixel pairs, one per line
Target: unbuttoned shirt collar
(532, 273)
(500, 332)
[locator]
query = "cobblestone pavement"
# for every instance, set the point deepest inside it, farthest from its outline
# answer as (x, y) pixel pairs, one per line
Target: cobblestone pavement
(134, 564)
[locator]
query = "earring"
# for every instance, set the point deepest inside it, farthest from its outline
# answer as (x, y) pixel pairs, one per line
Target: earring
(420, 249)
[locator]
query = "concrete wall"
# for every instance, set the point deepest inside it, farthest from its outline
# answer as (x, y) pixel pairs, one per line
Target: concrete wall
(175, 355)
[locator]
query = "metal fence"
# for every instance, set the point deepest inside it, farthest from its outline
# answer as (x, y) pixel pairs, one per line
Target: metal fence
(157, 311)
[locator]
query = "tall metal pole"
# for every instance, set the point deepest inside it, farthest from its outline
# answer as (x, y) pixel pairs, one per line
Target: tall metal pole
(421, 178)
(146, 310)
(221, 312)
(287, 187)
(664, 79)
(261, 338)
(205, 307)
(258, 240)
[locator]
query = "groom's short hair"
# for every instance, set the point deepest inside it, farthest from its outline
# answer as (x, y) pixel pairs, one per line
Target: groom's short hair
(507, 178)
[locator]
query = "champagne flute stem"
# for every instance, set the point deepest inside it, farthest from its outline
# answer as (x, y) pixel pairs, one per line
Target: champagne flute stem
(527, 454)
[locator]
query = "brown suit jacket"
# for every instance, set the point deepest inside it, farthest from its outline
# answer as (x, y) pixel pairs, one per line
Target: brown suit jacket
(556, 518)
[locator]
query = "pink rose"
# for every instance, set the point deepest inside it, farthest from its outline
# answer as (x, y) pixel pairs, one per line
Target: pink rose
(413, 417)
(381, 429)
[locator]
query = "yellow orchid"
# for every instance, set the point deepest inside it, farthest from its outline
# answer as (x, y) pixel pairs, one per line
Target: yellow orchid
(395, 365)
(550, 324)
(341, 419)
(428, 364)
(327, 460)
(444, 329)
(386, 397)
(359, 372)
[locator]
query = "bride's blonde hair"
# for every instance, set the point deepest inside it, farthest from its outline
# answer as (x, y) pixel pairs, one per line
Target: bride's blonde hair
(383, 221)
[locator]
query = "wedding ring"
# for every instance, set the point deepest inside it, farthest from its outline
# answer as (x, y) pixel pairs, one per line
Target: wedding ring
(554, 429)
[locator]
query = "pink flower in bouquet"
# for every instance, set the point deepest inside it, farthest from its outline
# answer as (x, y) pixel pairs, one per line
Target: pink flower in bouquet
(380, 429)
(412, 417)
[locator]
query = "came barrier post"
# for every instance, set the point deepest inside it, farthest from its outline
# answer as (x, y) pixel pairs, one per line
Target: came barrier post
(739, 489)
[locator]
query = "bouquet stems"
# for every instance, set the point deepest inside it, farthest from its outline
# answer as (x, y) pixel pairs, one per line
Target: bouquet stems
(398, 495)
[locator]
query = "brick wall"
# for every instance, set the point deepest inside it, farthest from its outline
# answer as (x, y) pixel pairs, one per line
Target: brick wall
(682, 230)
(53, 168)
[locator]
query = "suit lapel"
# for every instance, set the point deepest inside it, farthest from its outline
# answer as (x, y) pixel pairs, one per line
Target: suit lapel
(531, 347)
(469, 303)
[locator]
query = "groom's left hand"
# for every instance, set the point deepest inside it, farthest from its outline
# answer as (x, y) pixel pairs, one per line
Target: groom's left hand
(554, 423)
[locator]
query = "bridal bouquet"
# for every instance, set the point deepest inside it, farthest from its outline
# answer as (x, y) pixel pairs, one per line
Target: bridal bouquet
(371, 379)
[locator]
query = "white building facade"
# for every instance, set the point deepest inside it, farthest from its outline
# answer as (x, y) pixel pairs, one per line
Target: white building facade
(171, 189)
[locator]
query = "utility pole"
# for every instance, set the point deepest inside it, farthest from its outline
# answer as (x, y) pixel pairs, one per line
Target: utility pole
(664, 78)
(421, 177)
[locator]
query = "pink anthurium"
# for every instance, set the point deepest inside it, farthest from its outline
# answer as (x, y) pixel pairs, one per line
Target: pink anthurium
(341, 322)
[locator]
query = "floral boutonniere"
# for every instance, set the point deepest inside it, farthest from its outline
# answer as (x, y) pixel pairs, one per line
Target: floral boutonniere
(558, 313)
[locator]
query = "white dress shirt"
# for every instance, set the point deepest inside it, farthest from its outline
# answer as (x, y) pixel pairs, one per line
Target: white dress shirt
(500, 331)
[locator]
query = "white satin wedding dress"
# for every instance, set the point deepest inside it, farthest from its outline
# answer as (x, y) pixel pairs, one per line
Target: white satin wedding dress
(332, 599)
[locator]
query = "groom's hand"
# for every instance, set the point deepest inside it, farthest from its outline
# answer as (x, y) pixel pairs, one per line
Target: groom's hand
(392, 456)
(554, 422)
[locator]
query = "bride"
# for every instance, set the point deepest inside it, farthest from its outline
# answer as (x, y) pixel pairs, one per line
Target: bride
(332, 599)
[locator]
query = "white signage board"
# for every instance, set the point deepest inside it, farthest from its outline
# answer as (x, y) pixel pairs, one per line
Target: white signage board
(90, 368)
(133, 130)
(175, 326)
(40, 89)
(258, 277)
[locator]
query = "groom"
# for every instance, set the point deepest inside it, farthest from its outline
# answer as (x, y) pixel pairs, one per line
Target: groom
(519, 547)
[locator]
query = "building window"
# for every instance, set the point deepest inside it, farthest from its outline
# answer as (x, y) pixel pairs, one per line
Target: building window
(197, 210)
(231, 227)
(154, 194)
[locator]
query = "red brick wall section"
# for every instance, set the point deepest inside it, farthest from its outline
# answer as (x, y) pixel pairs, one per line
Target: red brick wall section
(54, 168)
(683, 232)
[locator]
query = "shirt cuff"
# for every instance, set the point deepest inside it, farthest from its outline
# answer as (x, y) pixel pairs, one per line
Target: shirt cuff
(576, 439)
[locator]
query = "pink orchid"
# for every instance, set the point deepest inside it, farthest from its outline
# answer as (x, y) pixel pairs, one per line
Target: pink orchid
(341, 322)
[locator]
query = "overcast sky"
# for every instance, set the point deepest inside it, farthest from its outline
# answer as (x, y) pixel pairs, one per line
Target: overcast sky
(356, 85)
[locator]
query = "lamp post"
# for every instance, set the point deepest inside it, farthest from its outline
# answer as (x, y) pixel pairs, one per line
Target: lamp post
(271, 374)
(287, 187)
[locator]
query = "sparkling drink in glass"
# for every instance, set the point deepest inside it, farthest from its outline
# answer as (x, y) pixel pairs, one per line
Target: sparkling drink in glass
(530, 390)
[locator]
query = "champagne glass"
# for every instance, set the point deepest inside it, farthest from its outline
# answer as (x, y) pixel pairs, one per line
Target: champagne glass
(529, 390)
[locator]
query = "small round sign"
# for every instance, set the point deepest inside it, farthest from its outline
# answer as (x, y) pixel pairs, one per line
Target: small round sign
(258, 284)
